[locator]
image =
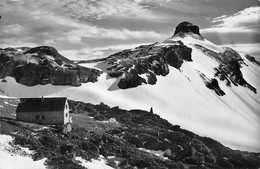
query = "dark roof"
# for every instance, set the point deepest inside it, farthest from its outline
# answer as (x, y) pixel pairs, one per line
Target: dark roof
(41, 104)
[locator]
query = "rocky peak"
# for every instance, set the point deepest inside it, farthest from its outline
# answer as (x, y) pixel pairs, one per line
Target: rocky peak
(43, 65)
(186, 27)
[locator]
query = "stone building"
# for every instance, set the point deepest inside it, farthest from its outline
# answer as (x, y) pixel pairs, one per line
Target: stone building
(47, 111)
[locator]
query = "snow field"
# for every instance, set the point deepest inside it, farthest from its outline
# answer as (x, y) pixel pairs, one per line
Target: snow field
(15, 157)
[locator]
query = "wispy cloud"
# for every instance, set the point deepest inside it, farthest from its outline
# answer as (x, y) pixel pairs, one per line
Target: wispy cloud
(245, 21)
(66, 22)
(98, 52)
(239, 28)
(96, 10)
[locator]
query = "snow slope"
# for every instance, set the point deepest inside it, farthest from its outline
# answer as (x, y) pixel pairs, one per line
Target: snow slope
(181, 97)
(15, 157)
(11, 88)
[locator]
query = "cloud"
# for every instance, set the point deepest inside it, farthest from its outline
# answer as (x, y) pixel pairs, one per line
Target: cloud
(12, 29)
(94, 53)
(86, 10)
(245, 21)
(97, 10)
(89, 31)
(63, 23)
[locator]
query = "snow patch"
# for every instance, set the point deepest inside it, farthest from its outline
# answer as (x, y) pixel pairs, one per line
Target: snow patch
(111, 120)
(32, 58)
(188, 40)
(94, 164)
(144, 76)
(90, 65)
(158, 153)
(41, 128)
(9, 103)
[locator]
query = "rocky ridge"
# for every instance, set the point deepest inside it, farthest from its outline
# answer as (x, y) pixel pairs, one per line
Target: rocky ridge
(43, 65)
(229, 66)
(142, 65)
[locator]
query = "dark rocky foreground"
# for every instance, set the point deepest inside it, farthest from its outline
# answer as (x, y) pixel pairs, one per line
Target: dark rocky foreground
(43, 65)
(125, 139)
(143, 129)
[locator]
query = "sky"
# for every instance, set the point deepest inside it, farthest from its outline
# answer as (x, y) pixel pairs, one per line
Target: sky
(87, 29)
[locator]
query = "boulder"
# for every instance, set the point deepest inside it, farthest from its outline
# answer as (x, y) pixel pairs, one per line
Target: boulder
(150, 142)
(213, 85)
(200, 146)
(167, 153)
(224, 163)
(130, 81)
(151, 78)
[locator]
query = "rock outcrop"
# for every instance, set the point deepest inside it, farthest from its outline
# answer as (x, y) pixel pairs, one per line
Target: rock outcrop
(186, 27)
(141, 65)
(229, 66)
(43, 65)
(212, 84)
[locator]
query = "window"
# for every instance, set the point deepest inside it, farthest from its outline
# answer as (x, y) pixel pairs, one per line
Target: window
(66, 106)
(66, 114)
(37, 117)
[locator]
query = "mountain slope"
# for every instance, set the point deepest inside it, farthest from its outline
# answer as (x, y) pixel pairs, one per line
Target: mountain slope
(110, 137)
(188, 80)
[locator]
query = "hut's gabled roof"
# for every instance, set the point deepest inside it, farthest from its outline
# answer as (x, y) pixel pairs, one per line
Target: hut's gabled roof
(41, 104)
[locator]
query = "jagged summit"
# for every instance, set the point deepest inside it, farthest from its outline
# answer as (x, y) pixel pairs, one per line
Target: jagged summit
(186, 27)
